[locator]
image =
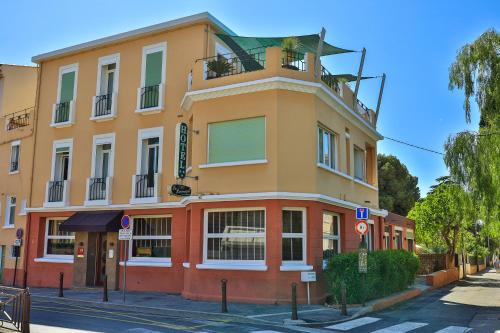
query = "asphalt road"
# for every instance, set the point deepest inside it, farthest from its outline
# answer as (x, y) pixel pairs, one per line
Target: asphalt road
(468, 306)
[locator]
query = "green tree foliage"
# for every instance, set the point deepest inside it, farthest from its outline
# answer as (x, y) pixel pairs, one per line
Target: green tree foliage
(474, 158)
(441, 216)
(398, 190)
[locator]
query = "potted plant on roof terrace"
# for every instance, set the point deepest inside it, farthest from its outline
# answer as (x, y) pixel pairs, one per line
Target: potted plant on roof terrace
(289, 53)
(218, 67)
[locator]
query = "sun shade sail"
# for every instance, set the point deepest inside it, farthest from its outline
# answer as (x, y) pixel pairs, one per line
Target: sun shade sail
(350, 77)
(93, 221)
(307, 43)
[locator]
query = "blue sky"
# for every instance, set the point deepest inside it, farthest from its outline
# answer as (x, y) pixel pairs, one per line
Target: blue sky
(413, 42)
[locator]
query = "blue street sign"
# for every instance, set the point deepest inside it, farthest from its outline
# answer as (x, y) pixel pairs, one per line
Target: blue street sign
(125, 221)
(362, 213)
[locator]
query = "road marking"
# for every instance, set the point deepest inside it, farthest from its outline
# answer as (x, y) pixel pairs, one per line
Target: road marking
(266, 332)
(401, 328)
(348, 325)
(454, 329)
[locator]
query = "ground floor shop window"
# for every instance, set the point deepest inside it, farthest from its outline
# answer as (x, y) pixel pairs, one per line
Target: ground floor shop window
(152, 237)
(58, 243)
(331, 236)
(293, 236)
(235, 235)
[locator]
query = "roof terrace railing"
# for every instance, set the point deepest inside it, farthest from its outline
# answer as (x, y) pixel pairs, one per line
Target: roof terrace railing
(18, 119)
(330, 80)
(293, 60)
(235, 63)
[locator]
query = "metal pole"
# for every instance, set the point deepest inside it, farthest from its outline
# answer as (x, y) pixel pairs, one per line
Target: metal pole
(308, 294)
(319, 50)
(125, 270)
(343, 291)
(61, 283)
(294, 302)
(15, 270)
(223, 284)
(358, 79)
(379, 102)
(105, 292)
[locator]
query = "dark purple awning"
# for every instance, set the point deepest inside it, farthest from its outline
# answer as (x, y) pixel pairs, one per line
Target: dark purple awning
(93, 221)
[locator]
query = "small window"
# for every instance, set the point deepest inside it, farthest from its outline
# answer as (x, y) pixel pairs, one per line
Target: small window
(235, 236)
(410, 239)
(359, 164)
(10, 216)
(327, 148)
(57, 242)
(293, 236)
(237, 140)
(331, 236)
(152, 237)
(14, 157)
(398, 239)
(387, 237)
(370, 237)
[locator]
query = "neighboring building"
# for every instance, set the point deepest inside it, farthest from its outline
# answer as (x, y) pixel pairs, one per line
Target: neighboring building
(17, 101)
(399, 232)
(278, 161)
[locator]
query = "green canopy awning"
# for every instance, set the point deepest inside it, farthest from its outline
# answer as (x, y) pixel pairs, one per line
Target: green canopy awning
(307, 43)
(350, 77)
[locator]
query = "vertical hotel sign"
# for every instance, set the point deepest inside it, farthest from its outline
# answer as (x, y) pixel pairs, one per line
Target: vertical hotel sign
(181, 142)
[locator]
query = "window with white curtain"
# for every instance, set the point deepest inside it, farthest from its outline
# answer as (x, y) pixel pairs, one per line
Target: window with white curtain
(235, 236)
(327, 148)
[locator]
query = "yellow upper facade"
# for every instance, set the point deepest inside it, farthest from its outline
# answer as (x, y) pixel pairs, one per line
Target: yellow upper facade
(17, 100)
(108, 112)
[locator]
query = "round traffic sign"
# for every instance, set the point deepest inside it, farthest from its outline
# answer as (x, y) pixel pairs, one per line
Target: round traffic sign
(19, 233)
(125, 222)
(361, 227)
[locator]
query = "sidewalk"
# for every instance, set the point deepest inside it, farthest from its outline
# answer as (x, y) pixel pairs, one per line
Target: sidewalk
(155, 302)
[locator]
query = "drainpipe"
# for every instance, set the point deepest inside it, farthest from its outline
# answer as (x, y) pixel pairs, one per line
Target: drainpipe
(30, 189)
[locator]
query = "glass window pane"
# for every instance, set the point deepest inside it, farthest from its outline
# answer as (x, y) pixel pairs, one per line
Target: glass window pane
(60, 246)
(320, 146)
(297, 224)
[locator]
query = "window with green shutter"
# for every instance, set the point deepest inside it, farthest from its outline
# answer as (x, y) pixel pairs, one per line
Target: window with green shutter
(237, 140)
(153, 69)
(67, 87)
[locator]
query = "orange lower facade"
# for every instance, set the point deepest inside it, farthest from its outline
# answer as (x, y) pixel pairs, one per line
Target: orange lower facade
(270, 284)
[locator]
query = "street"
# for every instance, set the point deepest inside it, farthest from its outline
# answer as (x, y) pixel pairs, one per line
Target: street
(468, 306)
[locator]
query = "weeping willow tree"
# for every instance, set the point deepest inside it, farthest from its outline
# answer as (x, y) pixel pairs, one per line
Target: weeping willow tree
(473, 158)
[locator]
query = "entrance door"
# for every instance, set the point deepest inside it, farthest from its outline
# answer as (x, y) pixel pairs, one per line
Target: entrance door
(100, 258)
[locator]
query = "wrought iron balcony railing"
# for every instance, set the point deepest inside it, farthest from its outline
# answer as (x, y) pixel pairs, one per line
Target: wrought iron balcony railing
(62, 112)
(150, 97)
(234, 63)
(97, 189)
(55, 191)
(293, 60)
(103, 104)
(18, 119)
(330, 80)
(146, 185)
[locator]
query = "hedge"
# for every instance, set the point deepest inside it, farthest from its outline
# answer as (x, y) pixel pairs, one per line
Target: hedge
(389, 271)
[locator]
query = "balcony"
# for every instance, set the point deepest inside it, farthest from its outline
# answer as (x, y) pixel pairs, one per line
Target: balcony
(104, 107)
(56, 193)
(150, 99)
(63, 114)
(145, 188)
(98, 191)
(18, 119)
(271, 66)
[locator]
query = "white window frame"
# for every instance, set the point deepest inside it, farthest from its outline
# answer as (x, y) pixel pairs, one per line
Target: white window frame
(387, 237)
(151, 260)
(103, 139)
(22, 211)
(145, 51)
(370, 241)
(396, 230)
(332, 237)
(103, 61)
(302, 235)
(234, 263)
(13, 144)
(72, 105)
(63, 143)
(333, 159)
(8, 213)
(356, 147)
(149, 133)
(47, 237)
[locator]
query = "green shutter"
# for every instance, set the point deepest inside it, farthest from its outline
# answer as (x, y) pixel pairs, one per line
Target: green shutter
(237, 140)
(67, 87)
(153, 68)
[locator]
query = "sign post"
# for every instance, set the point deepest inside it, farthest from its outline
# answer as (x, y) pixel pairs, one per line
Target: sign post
(361, 228)
(308, 277)
(17, 252)
(125, 234)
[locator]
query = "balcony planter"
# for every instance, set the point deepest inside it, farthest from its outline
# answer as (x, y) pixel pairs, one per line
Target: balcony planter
(219, 67)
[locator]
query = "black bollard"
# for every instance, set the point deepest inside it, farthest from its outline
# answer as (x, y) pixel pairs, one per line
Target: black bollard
(343, 291)
(105, 291)
(223, 284)
(61, 283)
(294, 302)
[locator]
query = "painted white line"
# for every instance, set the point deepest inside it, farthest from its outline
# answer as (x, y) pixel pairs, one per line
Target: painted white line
(266, 332)
(401, 328)
(286, 313)
(454, 329)
(348, 325)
